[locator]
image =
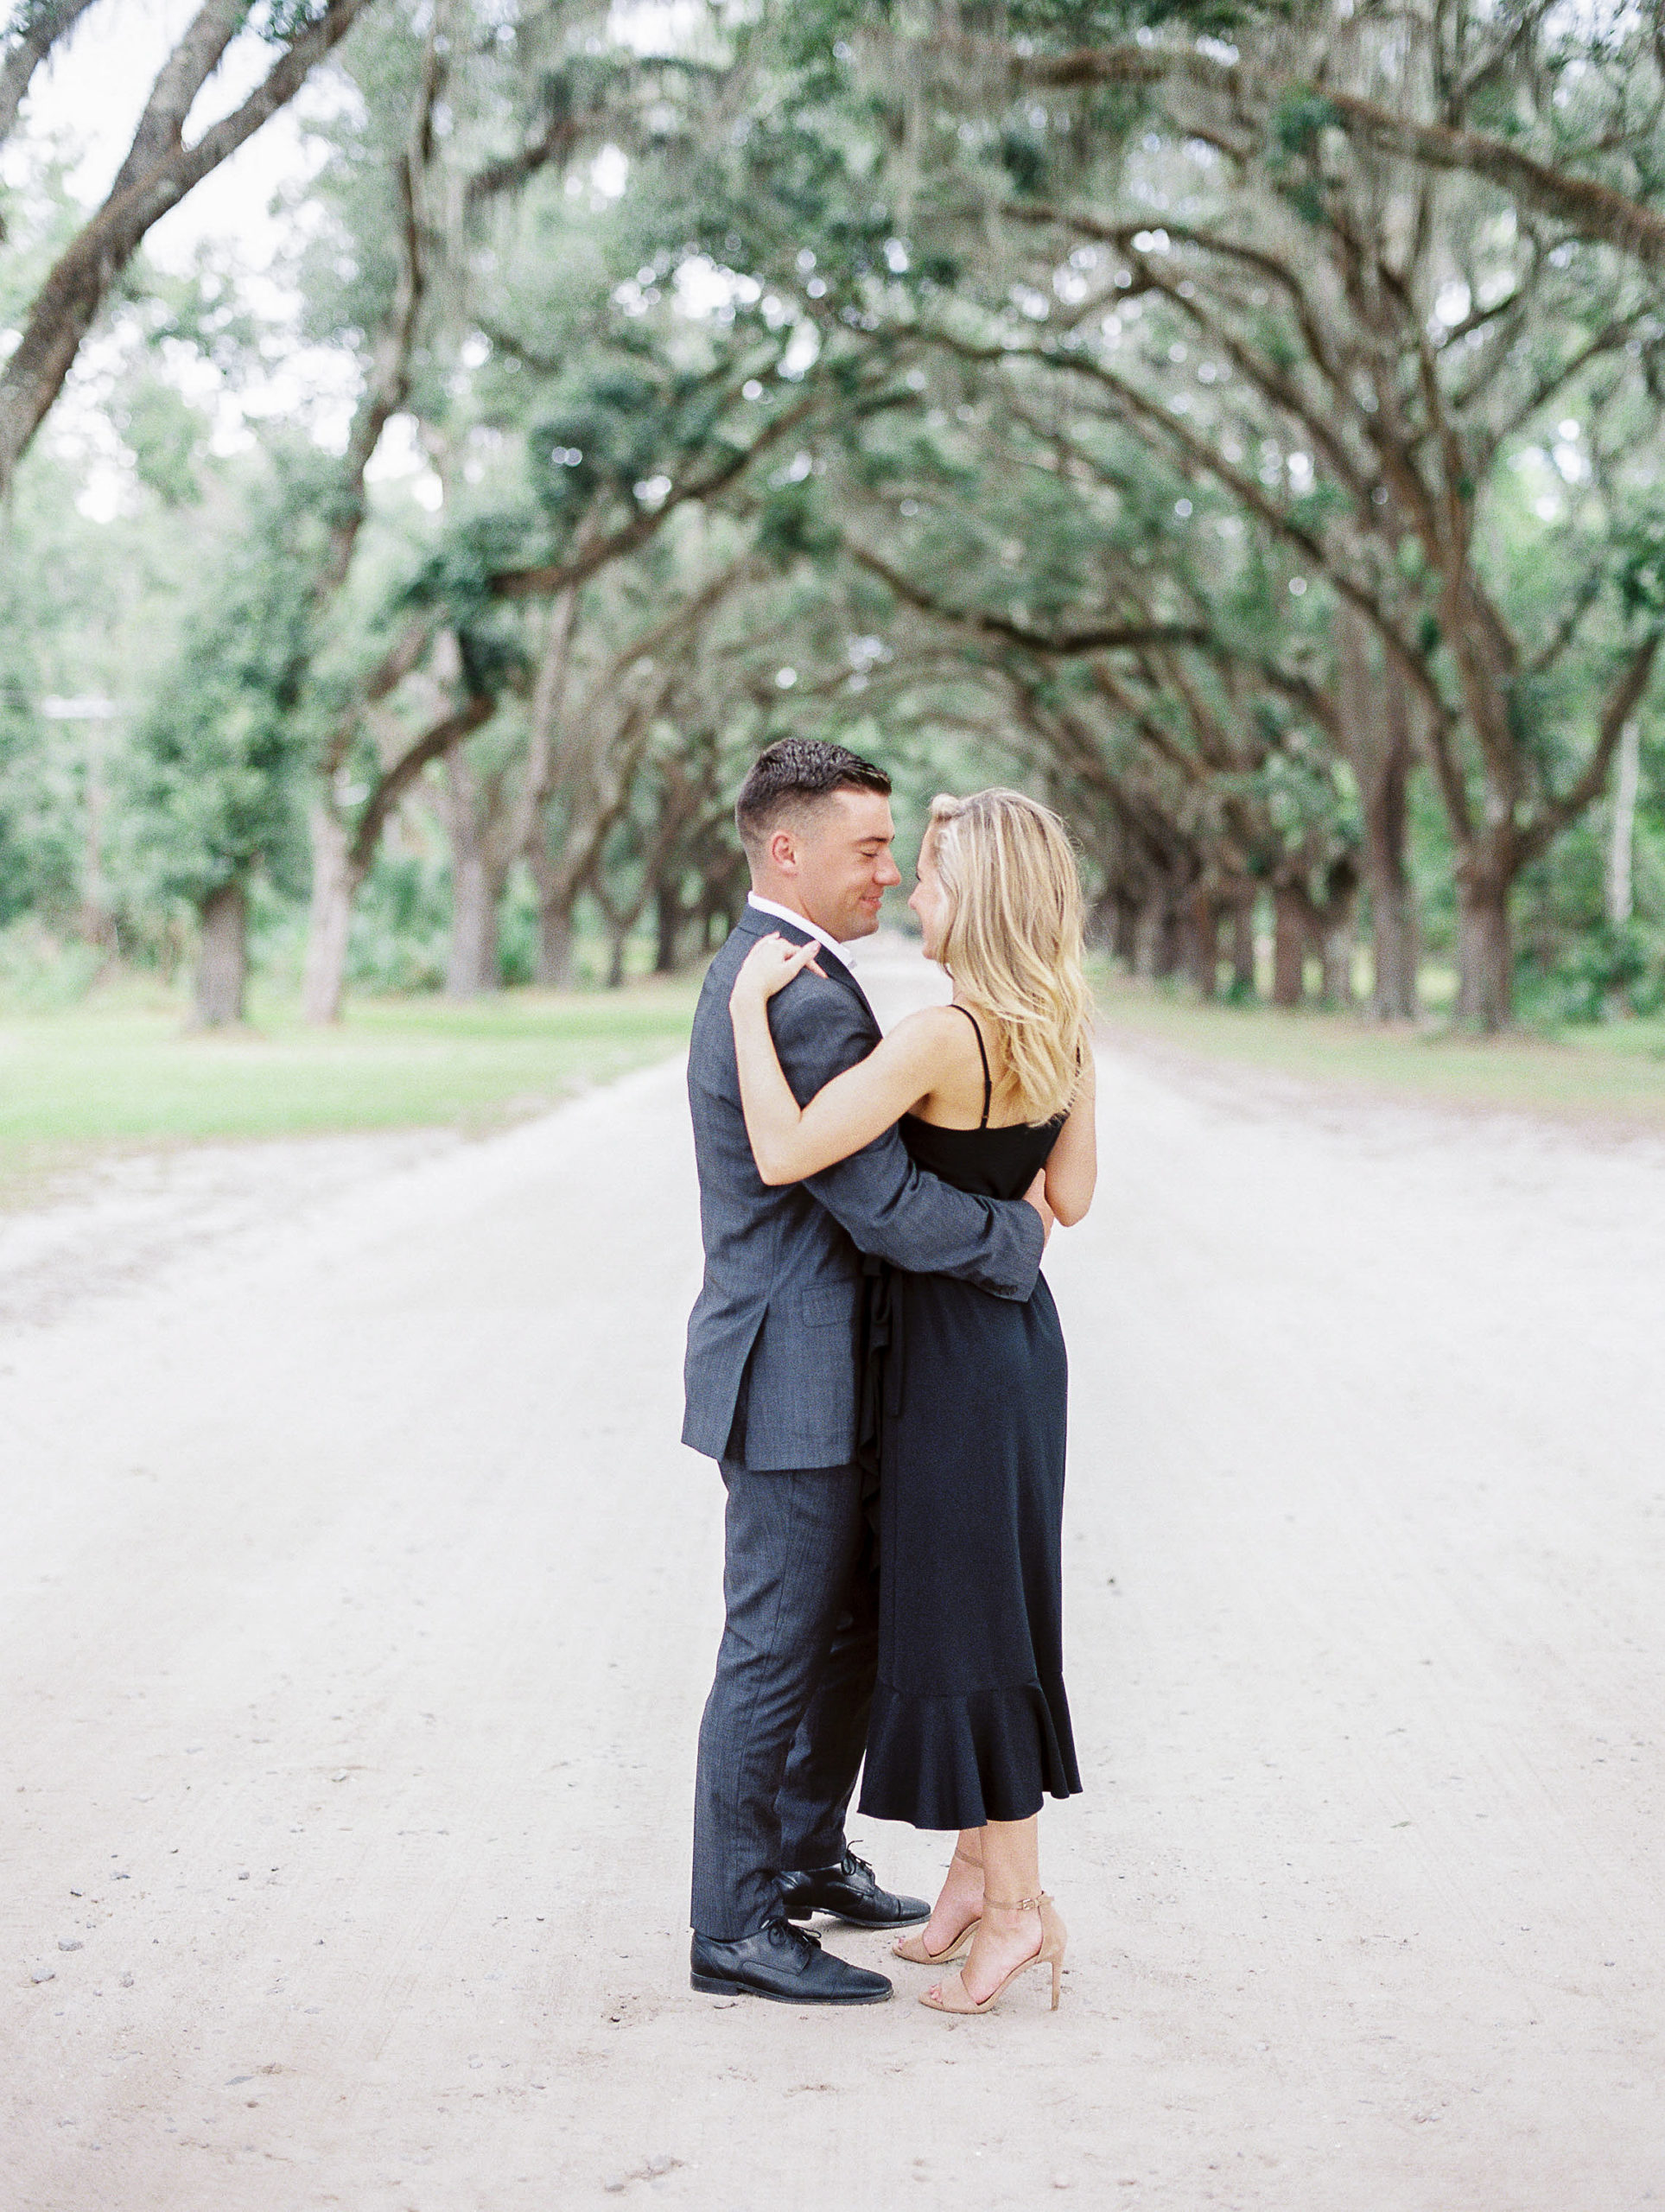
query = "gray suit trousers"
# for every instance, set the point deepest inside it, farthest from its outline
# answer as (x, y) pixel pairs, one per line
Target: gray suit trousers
(786, 1721)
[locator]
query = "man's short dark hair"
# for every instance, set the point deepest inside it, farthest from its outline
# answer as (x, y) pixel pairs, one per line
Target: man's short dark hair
(794, 771)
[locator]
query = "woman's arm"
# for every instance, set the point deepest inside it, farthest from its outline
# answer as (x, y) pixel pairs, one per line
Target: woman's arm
(1072, 1166)
(891, 1207)
(790, 1141)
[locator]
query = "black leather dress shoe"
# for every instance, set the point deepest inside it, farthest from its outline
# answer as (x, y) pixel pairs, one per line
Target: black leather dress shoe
(848, 1891)
(785, 1963)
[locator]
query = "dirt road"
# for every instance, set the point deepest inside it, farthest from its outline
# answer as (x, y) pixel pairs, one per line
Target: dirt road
(358, 1604)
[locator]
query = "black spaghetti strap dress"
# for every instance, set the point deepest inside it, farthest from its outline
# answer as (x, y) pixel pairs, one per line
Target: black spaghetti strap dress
(966, 1405)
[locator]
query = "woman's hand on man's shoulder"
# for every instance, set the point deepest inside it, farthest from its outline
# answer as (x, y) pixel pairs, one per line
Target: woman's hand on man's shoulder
(771, 963)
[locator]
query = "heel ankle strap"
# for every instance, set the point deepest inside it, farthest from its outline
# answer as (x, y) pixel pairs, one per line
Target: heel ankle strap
(960, 1860)
(1015, 1904)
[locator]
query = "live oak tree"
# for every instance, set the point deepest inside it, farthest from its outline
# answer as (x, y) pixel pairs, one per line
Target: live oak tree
(939, 500)
(1354, 346)
(453, 125)
(599, 437)
(214, 782)
(1143, 653)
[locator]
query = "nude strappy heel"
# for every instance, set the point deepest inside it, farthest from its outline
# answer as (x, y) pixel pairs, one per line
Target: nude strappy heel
(913, 1948)
(1054, 1937)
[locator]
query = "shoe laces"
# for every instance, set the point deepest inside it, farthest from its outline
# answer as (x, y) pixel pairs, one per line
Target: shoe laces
(789, 1931)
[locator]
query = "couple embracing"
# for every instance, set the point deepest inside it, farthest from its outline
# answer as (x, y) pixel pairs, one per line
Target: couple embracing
(876, 1364)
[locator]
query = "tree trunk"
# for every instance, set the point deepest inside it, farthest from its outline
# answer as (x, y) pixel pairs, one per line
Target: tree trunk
(1124, 939)
(1384, 781)
(1330, 925)
(716, 922)
(1157, 944)
(616, 957)
(222, 962)
(471, 967)
(1115, 925)
(1203, 942)
(1485, 951)
(668, 920)
(1289, 936)
(336, 880)
(555, 900)
(1621, 841)
(1335, 951)
(1378, 739)
(1243, 948)
(1393, 946)
(1147, 934)
(554, 947)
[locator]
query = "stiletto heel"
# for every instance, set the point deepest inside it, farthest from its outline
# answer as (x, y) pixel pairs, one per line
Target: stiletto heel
(913, 1948)
(1053, 1938)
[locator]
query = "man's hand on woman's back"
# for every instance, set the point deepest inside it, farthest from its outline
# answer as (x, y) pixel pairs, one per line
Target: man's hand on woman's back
(1036, 1195)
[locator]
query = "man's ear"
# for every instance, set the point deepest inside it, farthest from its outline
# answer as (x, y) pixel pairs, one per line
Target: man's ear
(783, 852)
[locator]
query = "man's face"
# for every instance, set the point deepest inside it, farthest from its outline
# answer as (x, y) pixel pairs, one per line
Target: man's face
(838, 862)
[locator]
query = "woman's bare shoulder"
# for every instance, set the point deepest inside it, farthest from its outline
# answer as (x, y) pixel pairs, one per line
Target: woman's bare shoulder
(937, 1034)
(934, 1022)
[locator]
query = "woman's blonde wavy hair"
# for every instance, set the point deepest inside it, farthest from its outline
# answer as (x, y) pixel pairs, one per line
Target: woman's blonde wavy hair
(1012, 944)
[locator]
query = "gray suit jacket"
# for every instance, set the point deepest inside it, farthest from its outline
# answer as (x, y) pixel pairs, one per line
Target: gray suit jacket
(780, 1310)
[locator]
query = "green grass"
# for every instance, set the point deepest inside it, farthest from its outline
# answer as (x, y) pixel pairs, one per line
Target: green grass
(121, 1070)
(1611, 1073)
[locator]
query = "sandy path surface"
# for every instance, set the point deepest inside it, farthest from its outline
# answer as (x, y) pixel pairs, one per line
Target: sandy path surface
(358, 1605)
(115, 1223)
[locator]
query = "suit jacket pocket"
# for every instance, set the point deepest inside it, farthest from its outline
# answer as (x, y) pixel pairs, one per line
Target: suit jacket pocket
(824, 1309)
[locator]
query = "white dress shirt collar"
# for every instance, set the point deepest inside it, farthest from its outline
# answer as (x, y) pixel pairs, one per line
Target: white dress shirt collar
(799, 922)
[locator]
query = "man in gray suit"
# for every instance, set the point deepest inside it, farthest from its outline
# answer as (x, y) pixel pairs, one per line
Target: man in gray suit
(774, 1394)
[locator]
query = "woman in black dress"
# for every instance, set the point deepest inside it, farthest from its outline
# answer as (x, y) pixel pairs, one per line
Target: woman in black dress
(971, 1727)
